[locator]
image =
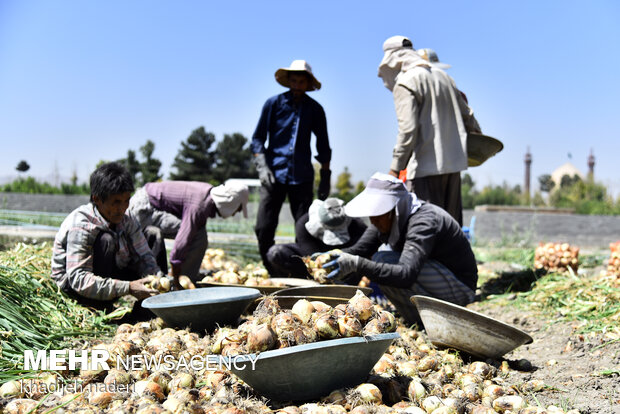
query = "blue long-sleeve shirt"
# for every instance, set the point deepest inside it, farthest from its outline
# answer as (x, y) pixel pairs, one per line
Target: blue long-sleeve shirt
(288, 128)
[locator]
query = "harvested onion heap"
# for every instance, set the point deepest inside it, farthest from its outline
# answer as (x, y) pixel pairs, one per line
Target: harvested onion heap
(272, 327)
(613, 265)
(556, 257)
(315, 267)
(228, 272)
(411, 377)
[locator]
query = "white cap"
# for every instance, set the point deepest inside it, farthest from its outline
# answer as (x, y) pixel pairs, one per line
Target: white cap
(397, 42)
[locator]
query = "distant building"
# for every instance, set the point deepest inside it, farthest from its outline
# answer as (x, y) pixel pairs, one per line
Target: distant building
(565, 169)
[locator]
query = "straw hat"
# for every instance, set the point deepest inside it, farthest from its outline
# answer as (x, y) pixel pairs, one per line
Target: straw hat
(297, 66)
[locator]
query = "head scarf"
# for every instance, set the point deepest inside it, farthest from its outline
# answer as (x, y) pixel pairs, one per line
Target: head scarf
(228, 197)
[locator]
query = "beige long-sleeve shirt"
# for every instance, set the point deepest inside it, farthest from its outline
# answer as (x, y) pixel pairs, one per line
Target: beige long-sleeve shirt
(433, 121)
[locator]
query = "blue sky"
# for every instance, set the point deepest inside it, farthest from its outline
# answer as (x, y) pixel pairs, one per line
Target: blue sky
(82, 81)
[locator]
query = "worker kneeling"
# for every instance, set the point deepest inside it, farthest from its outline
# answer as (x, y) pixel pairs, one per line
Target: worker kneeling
(429, 253)
(180, 209)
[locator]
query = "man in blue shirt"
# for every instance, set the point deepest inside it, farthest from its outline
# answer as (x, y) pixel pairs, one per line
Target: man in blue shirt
(284, 165)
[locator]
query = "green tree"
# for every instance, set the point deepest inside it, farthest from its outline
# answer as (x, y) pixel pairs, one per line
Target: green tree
(22, 166)
(233, 159)
(195, 160)
(344, 188)
(468, 193)
(546, 183)
(132, 164)
(359, 187)
(149, 169)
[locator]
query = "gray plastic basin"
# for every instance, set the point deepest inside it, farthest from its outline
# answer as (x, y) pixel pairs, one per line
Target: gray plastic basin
(201, 309)
(453, 326)
(311, 371)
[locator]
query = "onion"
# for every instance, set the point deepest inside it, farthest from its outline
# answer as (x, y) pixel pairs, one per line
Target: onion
(20, 406)
(101, 398)
(162, 378)
(416, 391)
(413, 410)
(373, 327)
(532, 386)
(117, 377)
(11, 389)
(232, 349)
(283, 324)
(321, 307)
(186, 282)
(304, 335)
(407, 368)
(266, 309)
(429, 362)
(334, 409)
(302, 310)
(431, 403)
(164, 284)
(482, 369)
(472, 392)
(511, 403)
(335, 397)
(261, 339)
(230, 278)
(149, 388)
(182, 380)
(493, 391)
(349, 326)
(326, 326)
(291, 409)
(361, 305)
(369, 393)
(481, 409)
(385, 365)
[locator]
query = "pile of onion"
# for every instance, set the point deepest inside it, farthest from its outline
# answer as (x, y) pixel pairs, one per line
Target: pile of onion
(307, 321)
(556, 257)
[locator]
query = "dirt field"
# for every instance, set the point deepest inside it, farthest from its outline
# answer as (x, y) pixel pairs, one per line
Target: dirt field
(580, 370)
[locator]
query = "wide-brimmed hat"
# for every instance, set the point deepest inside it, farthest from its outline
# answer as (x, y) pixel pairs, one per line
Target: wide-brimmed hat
(431, 56)
(381, 195)
(328, 222)
(297, 66)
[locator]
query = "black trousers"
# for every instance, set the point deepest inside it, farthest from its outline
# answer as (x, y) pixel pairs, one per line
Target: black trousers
(299, 196)
(442, 190)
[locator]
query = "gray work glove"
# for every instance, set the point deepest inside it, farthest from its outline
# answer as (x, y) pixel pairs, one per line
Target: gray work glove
(324, 184)
(265, 175)
(345, 264)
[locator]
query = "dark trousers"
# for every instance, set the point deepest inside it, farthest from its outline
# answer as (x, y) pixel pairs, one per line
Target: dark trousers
(443, 190)
(104, 265)
(285, 261)
(155, 238)
(299, 196)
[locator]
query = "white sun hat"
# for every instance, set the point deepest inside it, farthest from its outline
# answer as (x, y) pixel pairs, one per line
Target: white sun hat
(328, 222)
(431, 56)
(297, 66)
(381, 195)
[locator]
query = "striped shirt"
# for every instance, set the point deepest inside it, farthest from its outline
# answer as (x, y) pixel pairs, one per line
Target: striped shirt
(72, 257)
(191, 202)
